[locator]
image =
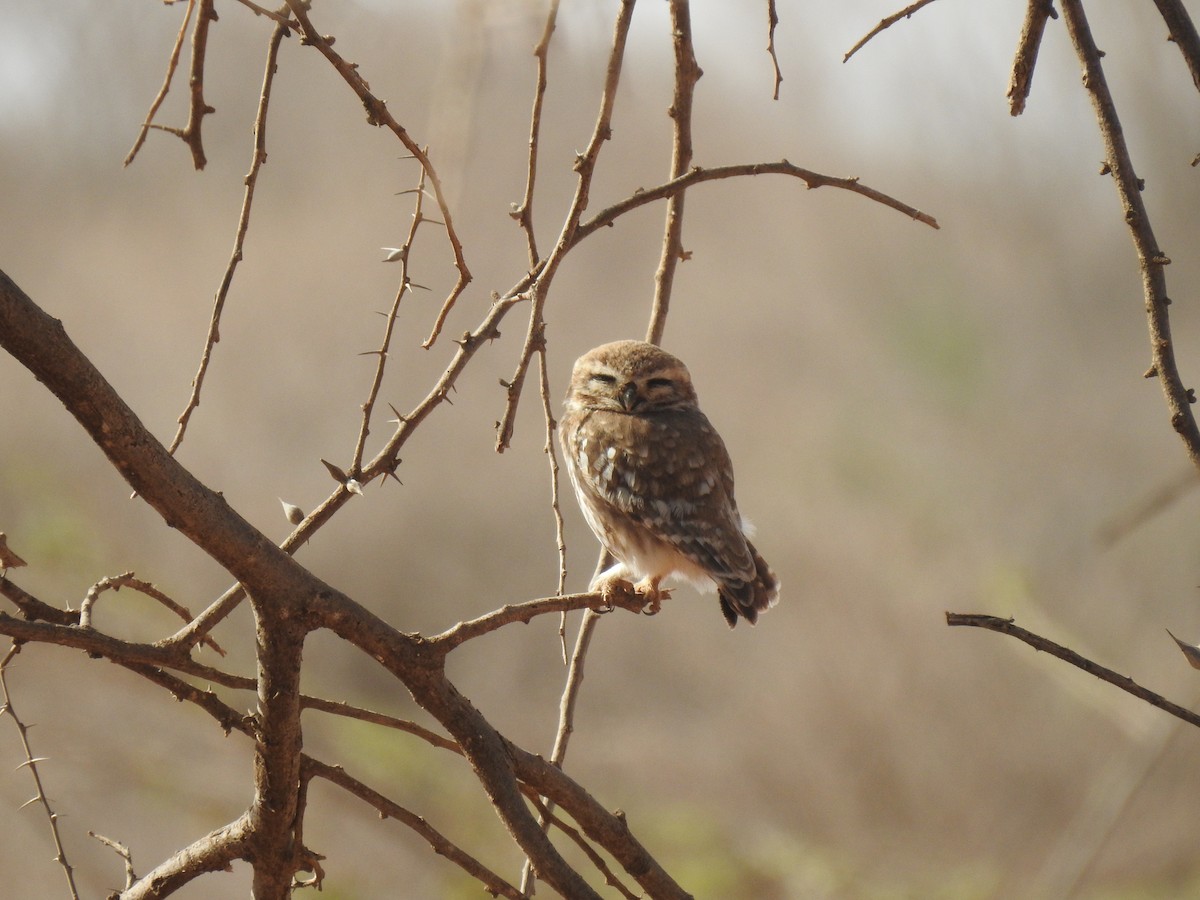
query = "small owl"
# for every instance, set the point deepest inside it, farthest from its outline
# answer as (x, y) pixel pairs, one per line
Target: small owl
(654, 480)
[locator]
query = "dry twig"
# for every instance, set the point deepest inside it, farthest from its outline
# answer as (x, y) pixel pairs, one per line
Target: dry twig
(1036, 14)
(258, 158)
(1124, 682)
(31, 763)
(885, 24)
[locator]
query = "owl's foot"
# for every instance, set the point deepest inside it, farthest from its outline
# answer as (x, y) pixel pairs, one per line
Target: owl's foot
(653, 595)
(615, 591)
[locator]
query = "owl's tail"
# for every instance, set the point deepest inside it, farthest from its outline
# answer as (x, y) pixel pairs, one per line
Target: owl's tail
(748, 598)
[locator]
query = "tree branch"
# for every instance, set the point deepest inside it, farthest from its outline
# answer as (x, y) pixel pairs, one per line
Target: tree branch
(1151, 259)
(1037, 642)
(687, 73)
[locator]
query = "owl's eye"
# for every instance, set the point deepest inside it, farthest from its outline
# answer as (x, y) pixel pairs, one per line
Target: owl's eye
(660, 383)
(603, 378)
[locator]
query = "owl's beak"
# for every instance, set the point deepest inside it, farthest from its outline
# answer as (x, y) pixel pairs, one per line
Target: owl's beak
(629, 396)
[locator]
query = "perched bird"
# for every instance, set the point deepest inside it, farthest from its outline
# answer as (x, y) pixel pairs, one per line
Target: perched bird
(654, 480)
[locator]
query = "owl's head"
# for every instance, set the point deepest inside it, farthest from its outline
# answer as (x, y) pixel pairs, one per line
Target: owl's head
(630, 377)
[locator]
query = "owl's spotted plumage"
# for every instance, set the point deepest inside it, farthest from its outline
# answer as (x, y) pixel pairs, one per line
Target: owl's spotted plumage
(654, 480)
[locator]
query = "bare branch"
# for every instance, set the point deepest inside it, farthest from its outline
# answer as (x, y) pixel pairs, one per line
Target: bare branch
(1183, 33)
(128, 580)
(552, 456)
(1124, 682)
(772, 22)
(378, 114)
(122, 851)
(1151, 259)
(585, 165)
(401, 254)
(258, 158)
(885, 24)
(524, 213)
(1036, 14)
(212, 853)
(687, 73)
(812, 180)
(172, 65)
(526, 612)
(198, 108)
(31, 763)
(441, 845)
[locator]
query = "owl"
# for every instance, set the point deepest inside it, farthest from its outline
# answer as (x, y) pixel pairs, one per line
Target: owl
(654, 480)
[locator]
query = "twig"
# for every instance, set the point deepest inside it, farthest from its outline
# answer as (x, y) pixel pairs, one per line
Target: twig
(258, 158)
(1151, 259)
(552, 456)
(31, 763)
(401, 254)
(885, 24)
(198, 109)
(687, 73)
(547, 813)
(122, 851)
(117, 582)
(1036, 14)
(585, 165)
(566, 709)
(441, 845)
(524, 213)
(772, 21)
(697, 175)
(1183, 34)
(378, 114)
(172, 65)
(525, 612)
(263, 11)
(338, 708)
(1124, 682)
(33, 609)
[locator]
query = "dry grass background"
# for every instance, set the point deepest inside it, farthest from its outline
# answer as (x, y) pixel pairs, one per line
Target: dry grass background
(920, 421)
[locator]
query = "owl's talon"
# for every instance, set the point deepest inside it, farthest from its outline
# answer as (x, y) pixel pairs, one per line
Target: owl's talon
(614, 592)
(653, 597)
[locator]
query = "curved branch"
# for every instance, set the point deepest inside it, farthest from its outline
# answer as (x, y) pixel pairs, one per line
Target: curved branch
(885, 24)
(212, 853)
(812, 180)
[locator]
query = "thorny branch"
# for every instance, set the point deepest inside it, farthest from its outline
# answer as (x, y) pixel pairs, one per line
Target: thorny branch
(31, 763)
(379, 115)
(258, 158)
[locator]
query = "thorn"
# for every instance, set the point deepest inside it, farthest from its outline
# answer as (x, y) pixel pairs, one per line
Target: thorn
(291, 512)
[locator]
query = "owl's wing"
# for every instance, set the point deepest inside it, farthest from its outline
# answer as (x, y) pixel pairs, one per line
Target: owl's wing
(671, 475)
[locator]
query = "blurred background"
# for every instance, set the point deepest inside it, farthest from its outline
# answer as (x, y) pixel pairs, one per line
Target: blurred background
(920, 420)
